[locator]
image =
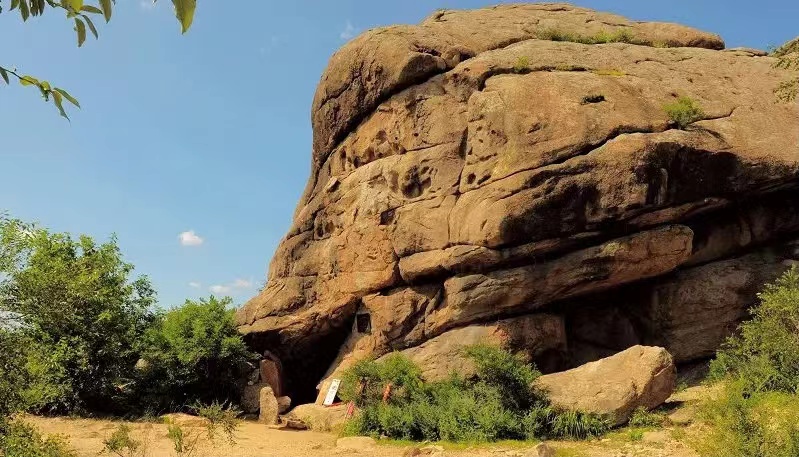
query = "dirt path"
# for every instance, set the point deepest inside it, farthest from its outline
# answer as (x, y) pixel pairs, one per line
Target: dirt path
(257, 440)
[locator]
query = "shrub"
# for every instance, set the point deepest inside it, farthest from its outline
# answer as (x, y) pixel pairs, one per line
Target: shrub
(763, 424)
(19, 439)
(222, 419)
(683, 112)
(122, 444)
(185, 443)
(193, 354)
(764, 355)
(496, 403)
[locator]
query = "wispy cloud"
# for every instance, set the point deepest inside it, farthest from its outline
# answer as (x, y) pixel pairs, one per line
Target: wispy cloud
(237, 285)
(349, 31)
(269, 46)
(242, 283)
(219, 289)
(195, 284)
(147, 5)
(189, 238)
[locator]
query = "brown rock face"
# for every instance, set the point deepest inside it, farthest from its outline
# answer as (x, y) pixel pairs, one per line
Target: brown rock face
(481, 167)
(640, 376)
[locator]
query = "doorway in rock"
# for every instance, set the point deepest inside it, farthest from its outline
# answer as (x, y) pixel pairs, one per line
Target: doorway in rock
(304, 364)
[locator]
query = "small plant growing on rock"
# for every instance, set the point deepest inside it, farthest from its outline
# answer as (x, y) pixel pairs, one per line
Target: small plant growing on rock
(522, 64)
(684, 112)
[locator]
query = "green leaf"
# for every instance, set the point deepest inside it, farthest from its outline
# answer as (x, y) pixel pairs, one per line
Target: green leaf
(14, 4)
(59, 104)
(66, 95)
(23, 9)
(184, 11)
(4, 74)
(28, 81)
(80, 27)
(106, 7)
(76, 5)
(91, 9)
(90, 24)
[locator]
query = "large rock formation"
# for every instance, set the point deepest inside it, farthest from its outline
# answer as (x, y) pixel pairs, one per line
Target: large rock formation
(485, 166)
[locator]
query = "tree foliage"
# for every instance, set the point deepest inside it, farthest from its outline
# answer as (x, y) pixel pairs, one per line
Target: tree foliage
(80, 14)
(192, 353)
(80, 311)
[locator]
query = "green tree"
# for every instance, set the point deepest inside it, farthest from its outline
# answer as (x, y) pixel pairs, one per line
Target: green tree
(192, 354)
(76, 305)
(80, 14)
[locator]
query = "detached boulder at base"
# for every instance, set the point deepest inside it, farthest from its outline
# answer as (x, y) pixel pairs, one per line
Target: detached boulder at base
(616, 385)
(319, 418)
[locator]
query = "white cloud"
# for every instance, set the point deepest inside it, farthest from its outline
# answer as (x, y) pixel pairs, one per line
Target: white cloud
(220, 289)
(190, 239)
(195, 284)
(242, 283)
(348, 32)
(147, 4)
(236, 285)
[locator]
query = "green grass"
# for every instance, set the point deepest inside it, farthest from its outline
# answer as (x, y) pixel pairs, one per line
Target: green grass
(601, 37)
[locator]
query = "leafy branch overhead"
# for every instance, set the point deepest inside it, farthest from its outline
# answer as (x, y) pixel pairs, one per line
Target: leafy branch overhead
(80, 13)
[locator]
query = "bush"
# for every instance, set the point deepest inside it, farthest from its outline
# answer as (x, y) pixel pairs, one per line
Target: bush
(193, 354)
(122, 444)
(763, 424)
(76, 300)
(496, 403)
(18, 439)
(764, 355)
(683, 112)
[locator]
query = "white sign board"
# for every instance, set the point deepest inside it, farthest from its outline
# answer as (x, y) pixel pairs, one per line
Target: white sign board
(332, 391)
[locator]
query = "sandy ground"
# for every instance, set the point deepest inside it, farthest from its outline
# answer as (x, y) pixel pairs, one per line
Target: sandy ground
(257, 440)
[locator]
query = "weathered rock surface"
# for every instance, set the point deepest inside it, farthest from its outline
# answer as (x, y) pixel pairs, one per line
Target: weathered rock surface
(269, 410)
(641, 376)
(470, 170)
(319, 418)
(251, 397)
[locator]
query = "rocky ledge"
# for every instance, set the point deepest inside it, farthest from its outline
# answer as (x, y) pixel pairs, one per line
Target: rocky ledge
(510, 174)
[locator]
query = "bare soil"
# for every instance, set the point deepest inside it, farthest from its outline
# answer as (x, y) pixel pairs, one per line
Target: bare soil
(257, 440)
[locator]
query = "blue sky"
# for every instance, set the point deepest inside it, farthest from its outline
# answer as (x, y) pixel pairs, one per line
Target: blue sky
(210, 132)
